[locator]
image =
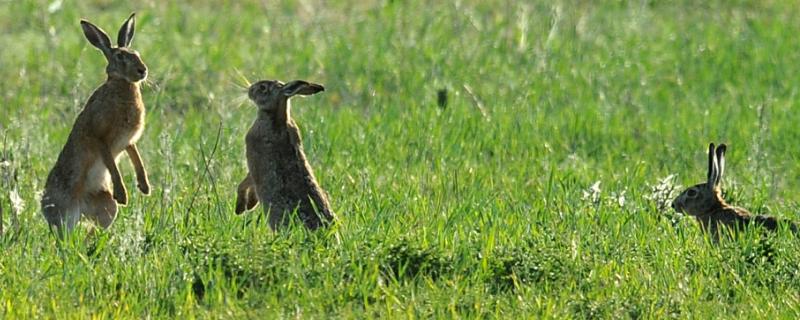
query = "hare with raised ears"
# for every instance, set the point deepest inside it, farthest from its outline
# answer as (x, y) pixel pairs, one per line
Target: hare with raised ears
(111, 122)
(704, 202)
(279, 175)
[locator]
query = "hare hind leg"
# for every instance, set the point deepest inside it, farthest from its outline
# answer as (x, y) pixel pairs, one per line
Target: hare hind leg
(246, 197)
(316, 211)
(278, 216)
(101, 208)
(314, 218)
(61, 214)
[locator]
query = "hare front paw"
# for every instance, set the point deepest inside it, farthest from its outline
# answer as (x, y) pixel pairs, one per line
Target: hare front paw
(121, 196)
(144, 187)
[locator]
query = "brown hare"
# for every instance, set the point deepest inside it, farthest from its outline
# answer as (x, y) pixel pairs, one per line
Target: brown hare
(704, 201)
(279, 175)
(111, 122)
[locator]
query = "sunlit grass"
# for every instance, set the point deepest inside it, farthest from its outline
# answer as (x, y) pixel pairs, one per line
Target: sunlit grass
(540, 190)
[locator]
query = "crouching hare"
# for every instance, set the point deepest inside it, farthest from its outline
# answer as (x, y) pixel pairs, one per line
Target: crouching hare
(279, 175)
(111, 122)
(704, 202)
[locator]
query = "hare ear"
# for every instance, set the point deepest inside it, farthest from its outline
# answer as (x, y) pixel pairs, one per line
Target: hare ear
(720, 162)
(301, 87)
(96, 36)
(712, 167)
(125, 35)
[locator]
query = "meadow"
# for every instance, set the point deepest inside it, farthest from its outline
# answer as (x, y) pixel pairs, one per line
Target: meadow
(540, 190)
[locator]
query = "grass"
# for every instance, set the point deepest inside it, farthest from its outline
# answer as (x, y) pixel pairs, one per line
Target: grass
(538, 191)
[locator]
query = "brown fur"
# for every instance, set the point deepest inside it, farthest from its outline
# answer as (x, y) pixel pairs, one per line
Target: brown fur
(111, 122)
(279, 175)
(704, 202)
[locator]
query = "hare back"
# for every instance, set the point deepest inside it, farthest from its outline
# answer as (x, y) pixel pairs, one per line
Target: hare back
(741, 219)
(773, 224)
(727, 215)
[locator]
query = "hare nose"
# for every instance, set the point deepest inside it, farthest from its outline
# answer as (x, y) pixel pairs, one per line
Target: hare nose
(141, 71)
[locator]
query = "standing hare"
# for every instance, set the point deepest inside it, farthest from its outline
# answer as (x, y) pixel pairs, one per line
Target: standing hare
(704, 201)
(111, 122)
(279, 174)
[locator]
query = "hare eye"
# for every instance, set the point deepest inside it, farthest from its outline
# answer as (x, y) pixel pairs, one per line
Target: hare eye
(692, 193)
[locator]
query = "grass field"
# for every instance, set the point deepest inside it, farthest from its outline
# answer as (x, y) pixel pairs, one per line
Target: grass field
(540, 190)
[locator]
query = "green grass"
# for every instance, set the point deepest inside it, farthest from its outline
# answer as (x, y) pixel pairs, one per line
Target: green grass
(482, 209)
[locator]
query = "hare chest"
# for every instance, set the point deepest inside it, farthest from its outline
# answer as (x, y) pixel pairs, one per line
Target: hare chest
(128, 130)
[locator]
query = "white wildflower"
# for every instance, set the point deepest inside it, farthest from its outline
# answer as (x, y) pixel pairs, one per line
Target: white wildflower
(17, 204)
(618, 198)
(55, 6)
(663, 192)
(592, 194)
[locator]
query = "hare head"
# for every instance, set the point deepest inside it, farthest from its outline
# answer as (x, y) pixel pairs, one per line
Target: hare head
(271, 95)
(123, 62)
(703, 198)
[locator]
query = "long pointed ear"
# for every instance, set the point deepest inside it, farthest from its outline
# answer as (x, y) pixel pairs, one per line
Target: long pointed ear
(720, 162)
(301, 87)
(125, 35)
(96, 36)
(712, 167)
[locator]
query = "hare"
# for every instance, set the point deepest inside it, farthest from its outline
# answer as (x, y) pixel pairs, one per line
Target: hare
(279, 175)
(111, 122)
(704, 201)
